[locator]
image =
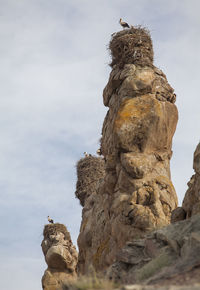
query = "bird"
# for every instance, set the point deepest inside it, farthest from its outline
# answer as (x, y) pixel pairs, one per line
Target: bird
(123, 24)
(50, 220)
(99, 151)
(87, 155)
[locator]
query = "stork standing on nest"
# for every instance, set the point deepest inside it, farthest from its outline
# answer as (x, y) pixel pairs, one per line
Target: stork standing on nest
(99, 152)
(123, 24)
(87, 155)
(50, 220)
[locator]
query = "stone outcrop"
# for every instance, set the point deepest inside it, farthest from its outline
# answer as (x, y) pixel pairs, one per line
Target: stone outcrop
(60, 255)
(168, 256)
(135, 193)
(191, 201)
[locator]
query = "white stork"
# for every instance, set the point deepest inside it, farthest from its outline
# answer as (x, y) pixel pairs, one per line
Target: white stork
(50, 220)
(99, 151)
(123, 24)
(87, 155)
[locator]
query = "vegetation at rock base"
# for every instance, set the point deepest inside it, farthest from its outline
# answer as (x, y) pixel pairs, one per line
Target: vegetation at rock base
(155, 265)
(91, 282)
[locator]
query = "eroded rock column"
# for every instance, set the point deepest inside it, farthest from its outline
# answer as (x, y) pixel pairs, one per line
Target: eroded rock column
(60, 255)
(136, 195)
(191, 201)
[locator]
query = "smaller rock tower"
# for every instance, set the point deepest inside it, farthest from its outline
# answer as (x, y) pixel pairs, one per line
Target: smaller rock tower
(191, 201)
(60, 255)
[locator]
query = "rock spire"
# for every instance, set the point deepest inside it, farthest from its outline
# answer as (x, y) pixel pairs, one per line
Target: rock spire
(133, 193)
(191, 201)
(60, 255)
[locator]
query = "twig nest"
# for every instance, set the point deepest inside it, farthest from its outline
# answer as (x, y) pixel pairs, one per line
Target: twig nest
(132, 45)
(52, 229)
(89, 171)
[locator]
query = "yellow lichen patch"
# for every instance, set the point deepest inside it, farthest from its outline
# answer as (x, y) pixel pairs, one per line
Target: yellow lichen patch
(159, 108)
(164, 181)
(136, 108)
(102, 247)
(84, 224)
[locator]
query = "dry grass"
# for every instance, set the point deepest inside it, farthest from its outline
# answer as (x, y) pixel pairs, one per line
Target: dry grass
(154, 266)
(132, 45)
(91, 282)
(88, 283)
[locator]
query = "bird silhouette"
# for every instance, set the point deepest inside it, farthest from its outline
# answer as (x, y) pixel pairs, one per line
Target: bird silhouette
(123, 24)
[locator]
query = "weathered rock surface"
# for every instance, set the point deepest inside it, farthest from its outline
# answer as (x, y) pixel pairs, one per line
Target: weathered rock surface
(191, 201)
(60, 255)
(172, 287)
(135, 193)
(167, 256)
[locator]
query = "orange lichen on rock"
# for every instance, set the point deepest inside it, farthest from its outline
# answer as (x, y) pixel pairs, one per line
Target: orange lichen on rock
(131, 109)
(103, 247)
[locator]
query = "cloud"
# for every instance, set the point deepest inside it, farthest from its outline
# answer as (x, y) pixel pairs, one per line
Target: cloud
(21, 272)
(54, 66)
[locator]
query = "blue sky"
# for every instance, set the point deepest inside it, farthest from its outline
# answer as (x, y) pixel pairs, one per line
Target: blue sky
(54, 66)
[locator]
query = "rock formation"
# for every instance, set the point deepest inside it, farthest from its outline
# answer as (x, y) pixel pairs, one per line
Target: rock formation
(135, 193)
(191, 201)
(60, 255)
(168, 256)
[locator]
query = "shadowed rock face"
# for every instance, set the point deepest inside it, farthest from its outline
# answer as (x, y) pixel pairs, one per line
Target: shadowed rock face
(60, 255)
(168, 256)
(191, 201)
(136, 194)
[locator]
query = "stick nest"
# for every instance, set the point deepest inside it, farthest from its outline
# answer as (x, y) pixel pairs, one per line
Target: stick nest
(89, 171)
(131, 46)
(52, 229)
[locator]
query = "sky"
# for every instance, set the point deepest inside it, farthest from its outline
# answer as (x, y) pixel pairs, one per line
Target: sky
(54, 66)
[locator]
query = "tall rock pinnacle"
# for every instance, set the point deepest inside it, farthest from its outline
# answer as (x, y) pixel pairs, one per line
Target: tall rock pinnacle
(134, 193)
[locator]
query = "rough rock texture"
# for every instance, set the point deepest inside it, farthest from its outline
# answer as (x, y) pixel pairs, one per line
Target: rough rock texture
(191, 201)
(168, 256)
(172, 287)
(60, 255)
(136, 195)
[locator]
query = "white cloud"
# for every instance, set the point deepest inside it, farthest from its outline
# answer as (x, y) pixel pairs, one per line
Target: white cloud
(54, 66)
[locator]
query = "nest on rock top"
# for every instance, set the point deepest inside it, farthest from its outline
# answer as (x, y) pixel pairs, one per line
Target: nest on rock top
(131, 46)
(89, 171)
(52, 229)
